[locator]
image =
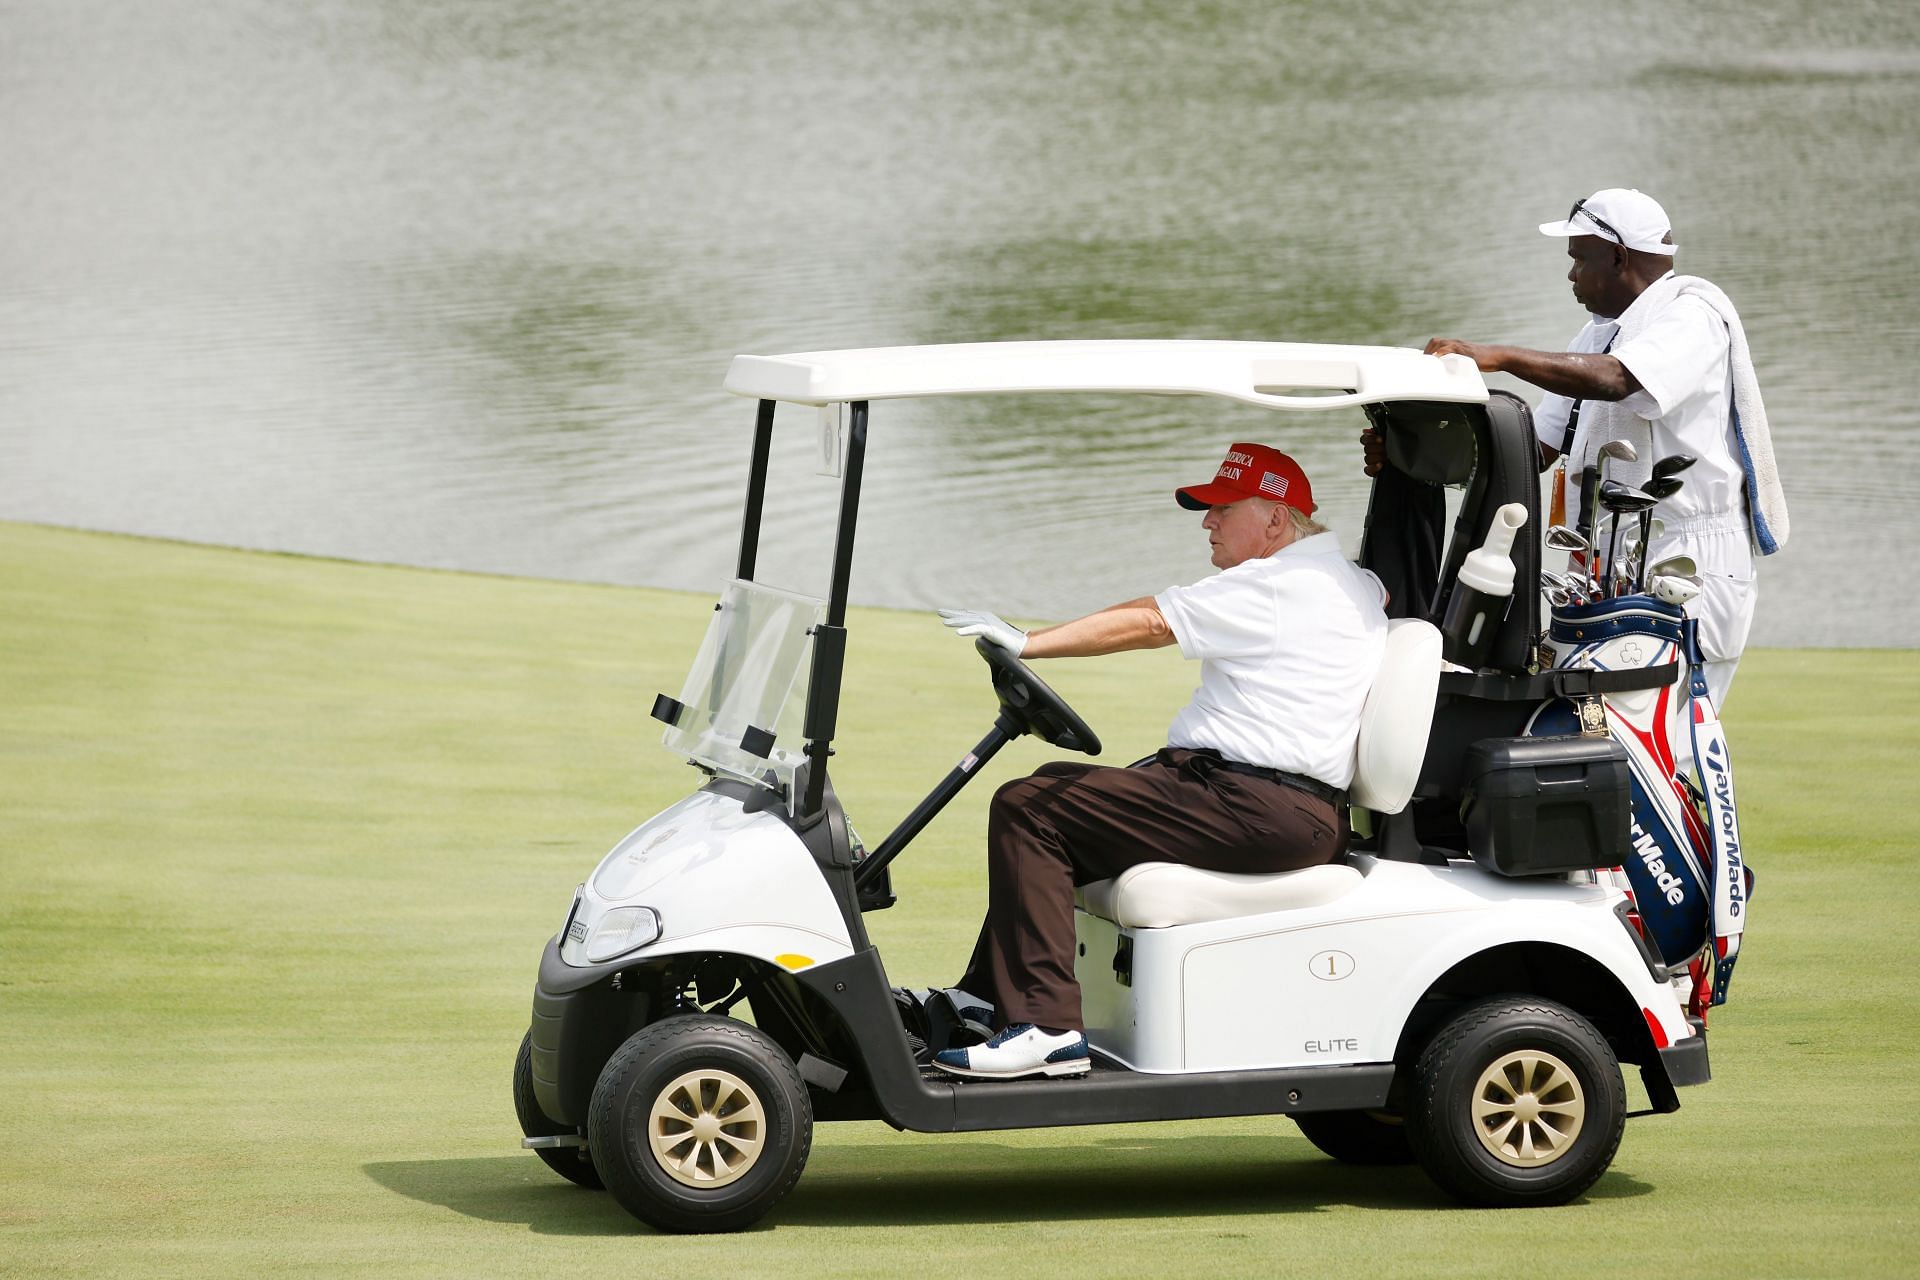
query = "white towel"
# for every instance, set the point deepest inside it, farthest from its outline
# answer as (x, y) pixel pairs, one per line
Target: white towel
(1766, 502)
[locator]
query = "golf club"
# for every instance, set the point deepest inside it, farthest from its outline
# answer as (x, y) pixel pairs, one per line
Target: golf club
(1615, 451)
(1620, 498)
(1654, 528)
(1661, 487)
(1562, 588)
(1591, 479)
(1579, 549)
(1561, 538)
(1664, 469)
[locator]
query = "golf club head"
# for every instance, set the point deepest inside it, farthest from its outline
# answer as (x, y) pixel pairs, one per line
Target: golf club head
(1572, 586)
(1609, 453)
(1663, 487)
(1672, 464)
(1624, 499)
(1561, 538)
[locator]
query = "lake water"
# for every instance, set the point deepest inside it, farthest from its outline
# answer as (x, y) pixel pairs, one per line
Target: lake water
(455, 282)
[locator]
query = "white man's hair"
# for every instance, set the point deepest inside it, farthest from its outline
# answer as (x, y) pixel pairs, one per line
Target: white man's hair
(1304, 525)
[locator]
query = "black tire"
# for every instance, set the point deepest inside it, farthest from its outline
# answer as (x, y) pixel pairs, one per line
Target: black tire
(1507, 1049)
(571, 1163)
(734, 1071)
(1358, 1137)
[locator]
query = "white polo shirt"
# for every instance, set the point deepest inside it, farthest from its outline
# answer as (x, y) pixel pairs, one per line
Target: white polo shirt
(1288, 645)
(1681, 359)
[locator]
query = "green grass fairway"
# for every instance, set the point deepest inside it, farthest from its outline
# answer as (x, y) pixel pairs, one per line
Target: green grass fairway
(281, 841)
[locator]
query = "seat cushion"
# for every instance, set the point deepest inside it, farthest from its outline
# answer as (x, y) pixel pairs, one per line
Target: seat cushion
(1155, 895)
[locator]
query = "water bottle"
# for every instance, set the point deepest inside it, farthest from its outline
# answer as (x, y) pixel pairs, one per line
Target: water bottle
(1482, 592)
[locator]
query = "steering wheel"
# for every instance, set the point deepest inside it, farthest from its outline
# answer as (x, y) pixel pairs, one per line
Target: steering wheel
(1031, 707)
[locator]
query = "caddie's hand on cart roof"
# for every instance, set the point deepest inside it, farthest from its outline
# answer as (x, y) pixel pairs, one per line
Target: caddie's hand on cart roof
(1596, 376)
(1480, 353)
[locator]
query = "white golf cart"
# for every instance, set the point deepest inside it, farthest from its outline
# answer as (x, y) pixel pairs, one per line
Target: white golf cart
(1461, 990)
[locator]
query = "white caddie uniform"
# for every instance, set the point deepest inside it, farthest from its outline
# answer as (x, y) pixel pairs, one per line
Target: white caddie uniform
(1680, 356)
(1288, 645)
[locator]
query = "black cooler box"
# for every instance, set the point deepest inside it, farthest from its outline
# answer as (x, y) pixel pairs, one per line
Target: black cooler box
(1542, 806)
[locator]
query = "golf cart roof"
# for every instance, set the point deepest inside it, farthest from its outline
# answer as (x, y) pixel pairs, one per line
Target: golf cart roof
(1275, 375)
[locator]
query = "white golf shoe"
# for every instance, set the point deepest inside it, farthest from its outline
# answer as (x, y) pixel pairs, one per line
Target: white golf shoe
(1020, 1050)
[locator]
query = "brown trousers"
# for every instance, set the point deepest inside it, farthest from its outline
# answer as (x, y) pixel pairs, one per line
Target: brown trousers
(1074, 824)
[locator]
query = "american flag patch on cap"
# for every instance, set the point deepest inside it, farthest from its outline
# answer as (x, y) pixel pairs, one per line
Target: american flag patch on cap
(1273, 485)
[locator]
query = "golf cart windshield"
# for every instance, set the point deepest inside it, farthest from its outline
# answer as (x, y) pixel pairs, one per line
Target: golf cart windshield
(741, 707)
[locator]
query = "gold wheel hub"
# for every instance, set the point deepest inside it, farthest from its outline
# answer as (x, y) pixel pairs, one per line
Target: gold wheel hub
(707, 1128)
(1528, 1109)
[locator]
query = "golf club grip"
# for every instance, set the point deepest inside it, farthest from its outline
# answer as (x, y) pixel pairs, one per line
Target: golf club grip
(1589, 491)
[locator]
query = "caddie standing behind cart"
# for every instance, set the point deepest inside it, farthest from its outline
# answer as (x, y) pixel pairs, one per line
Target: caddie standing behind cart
(1662, 364)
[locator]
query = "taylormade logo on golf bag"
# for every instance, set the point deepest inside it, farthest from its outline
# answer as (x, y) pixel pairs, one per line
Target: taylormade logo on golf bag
(1653, 859)
(1729, 848)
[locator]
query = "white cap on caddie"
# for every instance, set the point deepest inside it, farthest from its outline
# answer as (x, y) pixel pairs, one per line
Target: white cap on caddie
(1621, 215)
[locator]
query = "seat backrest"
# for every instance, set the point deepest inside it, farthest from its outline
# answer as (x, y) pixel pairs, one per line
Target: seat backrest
(1397, 717)
(1431, 447)
(1509, 472)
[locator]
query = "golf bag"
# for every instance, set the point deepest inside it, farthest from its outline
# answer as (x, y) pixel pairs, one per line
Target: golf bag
(1689, 882)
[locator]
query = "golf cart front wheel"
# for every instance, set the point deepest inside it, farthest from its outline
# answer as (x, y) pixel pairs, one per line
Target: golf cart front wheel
(1516, 1102)
(1357, 1137)
(700, 1124)
(571, 1163)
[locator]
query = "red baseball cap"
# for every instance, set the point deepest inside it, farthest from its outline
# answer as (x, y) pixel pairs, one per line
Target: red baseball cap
(1251, 471)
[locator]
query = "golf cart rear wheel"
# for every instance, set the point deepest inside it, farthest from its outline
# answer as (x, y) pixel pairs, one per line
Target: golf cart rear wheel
(1516, 1102)
(1358, 1137)
(571, 1163)
(700, 1124)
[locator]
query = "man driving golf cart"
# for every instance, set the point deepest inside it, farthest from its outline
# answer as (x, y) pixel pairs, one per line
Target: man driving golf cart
(1289, 635)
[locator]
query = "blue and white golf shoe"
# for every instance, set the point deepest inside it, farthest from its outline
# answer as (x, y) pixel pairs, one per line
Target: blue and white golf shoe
(1021, 1050)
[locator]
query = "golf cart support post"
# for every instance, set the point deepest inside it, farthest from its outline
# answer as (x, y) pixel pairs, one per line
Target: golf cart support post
(830, 637)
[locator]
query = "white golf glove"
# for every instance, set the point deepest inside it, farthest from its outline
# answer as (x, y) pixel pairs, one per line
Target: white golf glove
(990, 627)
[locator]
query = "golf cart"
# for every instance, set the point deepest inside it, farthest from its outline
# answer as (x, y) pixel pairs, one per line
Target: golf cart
(1460, 990)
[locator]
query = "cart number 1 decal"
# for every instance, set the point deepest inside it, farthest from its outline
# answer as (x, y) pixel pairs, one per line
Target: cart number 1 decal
(1331, 966)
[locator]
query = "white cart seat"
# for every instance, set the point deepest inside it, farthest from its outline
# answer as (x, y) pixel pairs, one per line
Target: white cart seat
(1393, 744)
(1157, 895)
